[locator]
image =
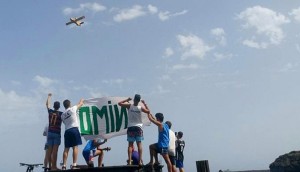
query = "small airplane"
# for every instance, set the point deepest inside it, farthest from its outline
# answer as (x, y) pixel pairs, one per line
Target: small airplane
(76, 21)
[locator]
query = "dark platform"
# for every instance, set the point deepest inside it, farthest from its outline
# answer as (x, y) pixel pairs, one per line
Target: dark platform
(122, 168)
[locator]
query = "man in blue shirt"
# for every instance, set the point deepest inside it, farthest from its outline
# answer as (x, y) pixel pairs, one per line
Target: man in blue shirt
(92, 149)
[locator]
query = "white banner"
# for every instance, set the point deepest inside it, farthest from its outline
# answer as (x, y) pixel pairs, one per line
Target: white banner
(104, 118)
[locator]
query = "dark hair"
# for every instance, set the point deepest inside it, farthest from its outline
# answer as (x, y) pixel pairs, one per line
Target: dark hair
(137, 97)
(159, 117)
(169, 123)
(180, 134)
(56, 105)
(67, 103)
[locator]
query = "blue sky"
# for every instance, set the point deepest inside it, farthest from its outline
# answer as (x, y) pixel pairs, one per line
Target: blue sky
(225, 73)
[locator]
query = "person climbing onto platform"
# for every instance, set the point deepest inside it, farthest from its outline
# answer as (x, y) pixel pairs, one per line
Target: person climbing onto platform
(93, 149)
(162, 144)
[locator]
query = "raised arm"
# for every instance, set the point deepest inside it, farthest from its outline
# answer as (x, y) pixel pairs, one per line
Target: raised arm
(125, 103)
(145, 109)
(80, 103)
(156, 122)
(48, 101)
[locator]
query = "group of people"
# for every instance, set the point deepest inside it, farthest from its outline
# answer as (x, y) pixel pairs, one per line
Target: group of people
(72, 136)
(170, 147)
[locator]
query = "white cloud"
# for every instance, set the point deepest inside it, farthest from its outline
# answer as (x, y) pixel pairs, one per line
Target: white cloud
(298, 47)
(254, 44)
(165, 77)
(164, 15)
(189, 78)
(152, 9)
(129, 14)
(193, 46)
(182, 66)
(296, 14)
(266, 22)
(167, 15)
(13, 82)
(15, 108)
(94, 7)
(219, 33)
(168, 52)
(289, 67)
(219, 56)
(44, 81)
(114, 81)
(161, 90)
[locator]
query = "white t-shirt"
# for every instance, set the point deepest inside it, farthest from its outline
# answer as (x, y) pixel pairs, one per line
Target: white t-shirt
(69, 118)
(172, 146)
(135, 116)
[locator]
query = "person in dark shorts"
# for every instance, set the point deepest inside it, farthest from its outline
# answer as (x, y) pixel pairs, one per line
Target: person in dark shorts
(72, 135)
(171, 149)
(162, 144)
(135, 124)
(180, 144)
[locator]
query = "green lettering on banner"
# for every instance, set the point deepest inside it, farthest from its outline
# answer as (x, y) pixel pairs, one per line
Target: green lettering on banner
(101, 113)
(119, 117)
(86, 111)
(114, 116)
(112, 119)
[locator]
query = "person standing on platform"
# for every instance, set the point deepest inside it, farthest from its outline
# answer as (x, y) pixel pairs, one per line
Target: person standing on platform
(72, 135)
(171, 150)
(135, 124)
(180, 144)
(54, 132)
(46, 161)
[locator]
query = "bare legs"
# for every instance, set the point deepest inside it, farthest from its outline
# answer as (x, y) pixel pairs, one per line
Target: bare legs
(100, 158)
(129, 151)
(75, 155)
(65, 156)
(140, 150)
(153, 153)
(53, 156)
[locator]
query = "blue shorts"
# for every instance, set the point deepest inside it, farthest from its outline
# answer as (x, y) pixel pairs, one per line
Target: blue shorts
(72, 137)
(53, 139)
(86, 154)
(179, 163)
(161, 150)
(134, 134)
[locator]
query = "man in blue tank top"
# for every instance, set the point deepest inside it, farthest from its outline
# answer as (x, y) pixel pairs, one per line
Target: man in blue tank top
(162, 144)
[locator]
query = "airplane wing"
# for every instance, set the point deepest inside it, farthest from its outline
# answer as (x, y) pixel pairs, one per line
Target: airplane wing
(69, 23)
(80, 18)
